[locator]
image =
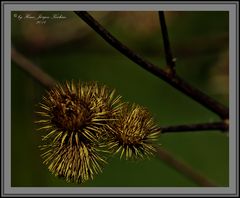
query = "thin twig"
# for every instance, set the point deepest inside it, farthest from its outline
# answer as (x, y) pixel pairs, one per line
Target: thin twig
(175, 81)
(32, 69)
(219, 126)
(167, 49)
(184, 168)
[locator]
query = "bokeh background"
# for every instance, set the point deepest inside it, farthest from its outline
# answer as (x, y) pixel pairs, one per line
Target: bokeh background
(68, 49)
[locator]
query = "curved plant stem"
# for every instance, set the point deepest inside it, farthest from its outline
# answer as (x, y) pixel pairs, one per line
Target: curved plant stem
(32, 69)
(175, 81)
(184, 168)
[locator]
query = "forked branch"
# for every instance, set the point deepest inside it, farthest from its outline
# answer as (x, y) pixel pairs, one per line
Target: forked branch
(175, 81)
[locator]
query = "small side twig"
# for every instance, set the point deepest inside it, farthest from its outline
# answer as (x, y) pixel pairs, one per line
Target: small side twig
(32, 69)
(219, 126)
(167, 49)
(175, 81)
(184, 168)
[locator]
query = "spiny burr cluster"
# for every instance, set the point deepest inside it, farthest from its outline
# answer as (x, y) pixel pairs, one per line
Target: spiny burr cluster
(82, 122)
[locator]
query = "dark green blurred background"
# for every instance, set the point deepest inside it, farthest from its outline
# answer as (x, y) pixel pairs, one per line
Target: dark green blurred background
(68, 49)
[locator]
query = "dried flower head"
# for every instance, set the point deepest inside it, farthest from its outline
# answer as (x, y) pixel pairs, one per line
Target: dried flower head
(134, 134)
(75, 117)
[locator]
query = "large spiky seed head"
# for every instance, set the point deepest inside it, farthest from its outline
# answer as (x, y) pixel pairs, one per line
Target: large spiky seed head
(134, 134)
(74, 119)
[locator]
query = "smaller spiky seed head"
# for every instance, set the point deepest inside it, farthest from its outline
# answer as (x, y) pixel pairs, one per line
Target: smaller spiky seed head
(134, 134)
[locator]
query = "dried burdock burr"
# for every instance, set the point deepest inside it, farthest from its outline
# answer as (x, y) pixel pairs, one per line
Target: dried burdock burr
(74, 119)
(134, 134)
